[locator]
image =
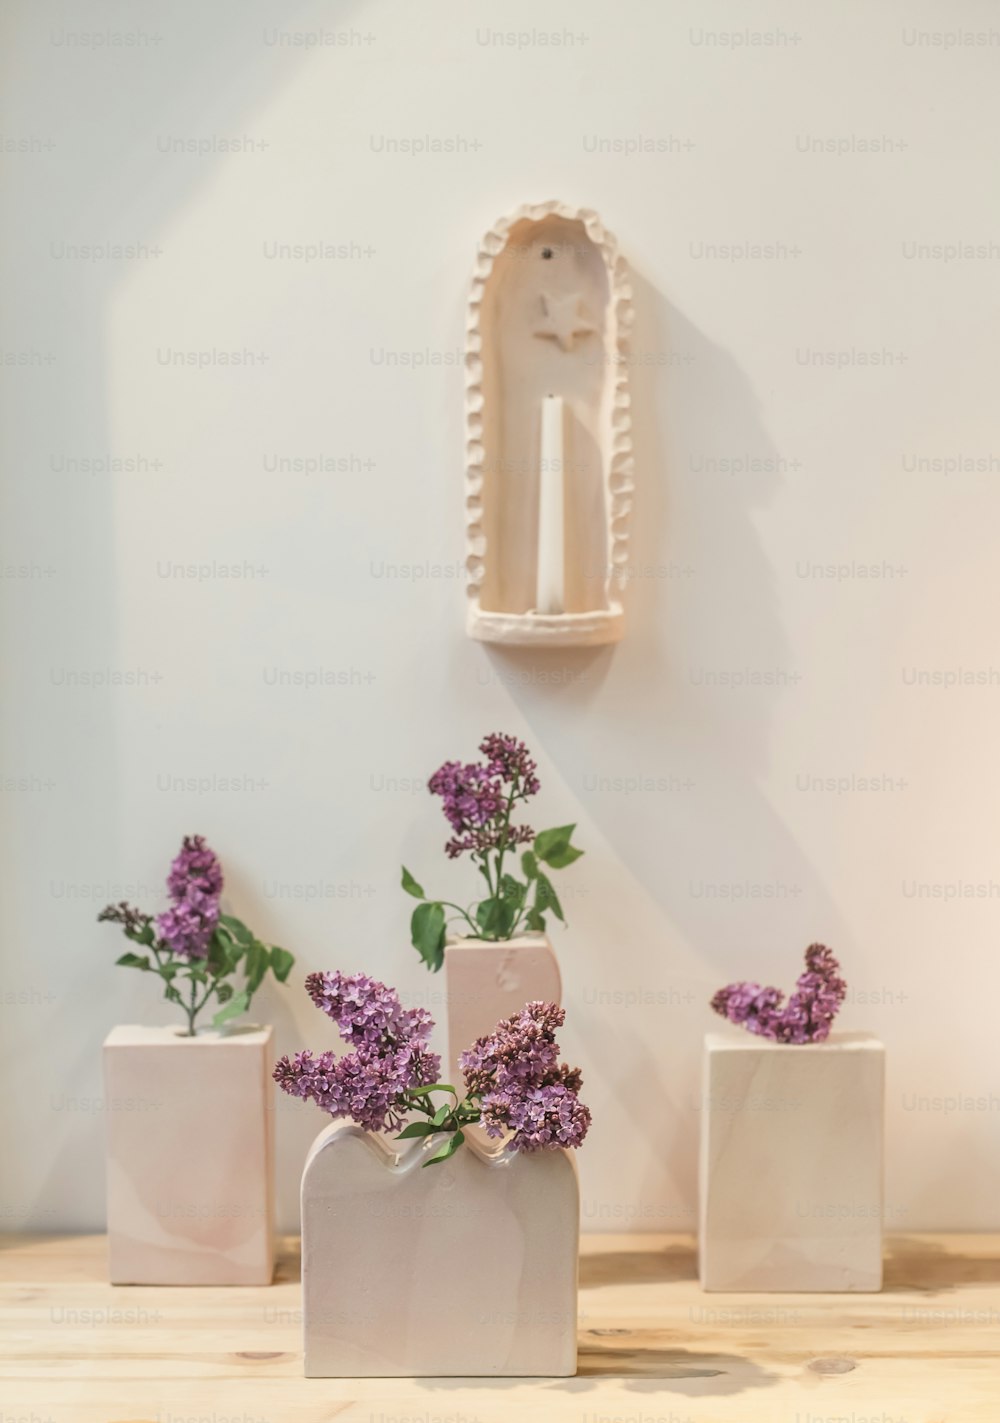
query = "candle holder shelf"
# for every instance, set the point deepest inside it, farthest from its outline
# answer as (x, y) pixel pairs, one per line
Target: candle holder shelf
(549, 462)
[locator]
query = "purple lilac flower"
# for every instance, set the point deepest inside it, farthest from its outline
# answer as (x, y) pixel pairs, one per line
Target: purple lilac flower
(510, 760)
(195, 868)
(470, 795)
(489, 839)
(366, 1011)
(474, 800)
(390, 1055)
(187, 930)
(524, 1089)
(194, 884)
(808, 1014)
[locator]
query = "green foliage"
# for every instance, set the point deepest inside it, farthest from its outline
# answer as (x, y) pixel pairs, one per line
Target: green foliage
(449, 1149)
(553, 846)
(497, 917)
(236, 930)
(513, 890)
(144, 935)
(511, 904)
(282, 963)
(234, 1008)
(232, 950)
(427, 930)
(416, 1129)
(258, 961)
(411, 886)
(546, 898)
(133, 961)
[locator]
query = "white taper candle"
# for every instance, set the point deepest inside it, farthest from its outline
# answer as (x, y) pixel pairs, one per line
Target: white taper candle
(550, 592)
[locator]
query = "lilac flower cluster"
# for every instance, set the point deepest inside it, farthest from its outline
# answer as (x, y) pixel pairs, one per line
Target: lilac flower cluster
(194, 884)
(390, 1056)
(515, 1084)
(471, 798)
(522, 1086)
(132, 920)
(193, 947)
(510, 761)
(808, 1014)
(475, 802)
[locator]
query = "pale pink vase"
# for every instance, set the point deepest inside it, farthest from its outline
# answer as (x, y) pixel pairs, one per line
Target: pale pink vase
(190, 1156)
(791, 1164)
(467, 1268)
(485, 982)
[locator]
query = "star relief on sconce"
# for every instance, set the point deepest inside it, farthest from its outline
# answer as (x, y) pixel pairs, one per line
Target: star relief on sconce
(563, 319)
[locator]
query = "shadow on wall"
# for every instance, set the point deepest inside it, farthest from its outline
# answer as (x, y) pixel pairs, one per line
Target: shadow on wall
(682, 710)
(199, 81)
(672, 700)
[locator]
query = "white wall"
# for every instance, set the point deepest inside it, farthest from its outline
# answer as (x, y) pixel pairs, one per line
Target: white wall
(690, 786)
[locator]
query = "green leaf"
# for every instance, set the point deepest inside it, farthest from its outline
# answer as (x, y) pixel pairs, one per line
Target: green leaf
(449, 1149)
(431, 1087)
(237, 929)
(411, 886)
(536, 921)
(546, 898)
(282, 963)
(224, 991)
(427, 933)
(441, 1115)
(416, 1129)
(258, 961)
(553, 846)
(512, 889)
(133, 961)
(144, 935)
(223, 954)
(529, 864)
(496, 917)
(238, 1004)
(171, 994)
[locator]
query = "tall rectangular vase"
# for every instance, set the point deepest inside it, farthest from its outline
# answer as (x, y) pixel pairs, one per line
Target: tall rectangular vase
(486, 982)
(190, 1156)
(790, 1192)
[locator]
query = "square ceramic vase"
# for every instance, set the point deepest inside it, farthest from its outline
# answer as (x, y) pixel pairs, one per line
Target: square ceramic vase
(486, 982)
(790, 1191)
(190, 1156)
(465, 1269)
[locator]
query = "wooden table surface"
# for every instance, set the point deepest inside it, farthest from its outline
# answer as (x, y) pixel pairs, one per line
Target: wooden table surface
(653, 1347)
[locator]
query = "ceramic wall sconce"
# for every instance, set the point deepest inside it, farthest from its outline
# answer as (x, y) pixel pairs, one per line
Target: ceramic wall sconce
(190, 1156)
(549, 465)
(487, 982)
(790, 1191)
(465, 1269)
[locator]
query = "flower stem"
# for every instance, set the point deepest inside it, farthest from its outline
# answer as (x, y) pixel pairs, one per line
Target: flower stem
(503, 831)
(192, 1009)
(465, 915)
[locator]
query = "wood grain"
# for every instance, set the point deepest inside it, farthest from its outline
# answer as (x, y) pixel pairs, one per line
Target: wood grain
(653, 1347)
